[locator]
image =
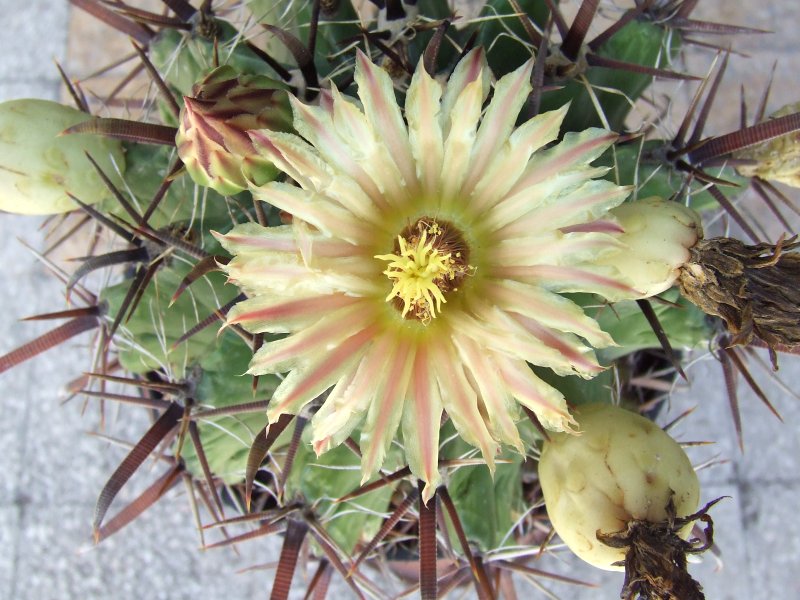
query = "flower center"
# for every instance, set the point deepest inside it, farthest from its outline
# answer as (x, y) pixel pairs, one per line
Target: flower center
(430, 260)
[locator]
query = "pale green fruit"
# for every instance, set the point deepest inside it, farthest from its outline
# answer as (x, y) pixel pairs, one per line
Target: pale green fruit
(777, 159)
(620, 467)
(38, 167)
(658, 235)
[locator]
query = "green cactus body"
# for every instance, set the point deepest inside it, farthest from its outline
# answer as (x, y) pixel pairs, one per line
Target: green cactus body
(155, 327)
(185, 58)
(220, 384)
(320, 480)
(487, 506)
(644, 165)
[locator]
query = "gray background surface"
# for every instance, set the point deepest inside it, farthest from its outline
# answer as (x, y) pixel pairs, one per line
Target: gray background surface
(53, 468)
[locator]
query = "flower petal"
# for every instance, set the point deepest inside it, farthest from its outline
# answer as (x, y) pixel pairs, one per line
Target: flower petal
(424, 129)
(469, 69)
(368, 147)
(309, 380)
(532, 211)
(459, 141)
(386, 408)
(376, 91)
(422, 415)
(549, 309)
(313, 341)
(512, 158)
(575, 150)
(604, 280)
(461, 402)
(253, 238)
(302, 163)
(278, 315)
(553, 248)
(581, 357)
(317, 210)
(510, 94)
(498, 402)
(316, 125)
(497, 331)
(545, 401)
(343, 409)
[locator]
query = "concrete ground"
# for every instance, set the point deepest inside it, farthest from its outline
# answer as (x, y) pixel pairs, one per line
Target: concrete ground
(54, 468)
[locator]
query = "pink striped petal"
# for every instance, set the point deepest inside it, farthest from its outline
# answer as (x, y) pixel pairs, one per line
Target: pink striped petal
(369, 148)
(317, 126)
(315, 340)
(376, 91)
(581, 357)
(309, 380)
(275, 272)
(344, 409)
(497, 331)
(552, 310)
(596, 226)
(545, 401)
(605, 281)
(498, 402)
(303, 164)
(421, 421)
(278, 315)
(317, 210)
(386, 408)
(575, 150)
(553, 248)
(525, 214)
(252, 237)
(471, 68)
(510, 94)
(461, 402)
(510, 160)
(340, 414)
(424, 130)
(460, 139)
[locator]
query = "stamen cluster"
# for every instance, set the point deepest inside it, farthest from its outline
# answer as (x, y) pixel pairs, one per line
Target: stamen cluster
(422, 270)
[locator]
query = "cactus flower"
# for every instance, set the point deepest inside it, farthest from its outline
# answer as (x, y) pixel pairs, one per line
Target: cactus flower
(212, 137)
(423, 267)
(38, 166)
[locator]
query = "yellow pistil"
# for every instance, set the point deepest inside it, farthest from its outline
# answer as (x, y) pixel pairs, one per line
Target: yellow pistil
(420, 271)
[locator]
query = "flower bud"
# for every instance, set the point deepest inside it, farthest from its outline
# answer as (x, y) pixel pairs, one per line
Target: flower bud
(777, 159)
(212, 138)
(38, 166)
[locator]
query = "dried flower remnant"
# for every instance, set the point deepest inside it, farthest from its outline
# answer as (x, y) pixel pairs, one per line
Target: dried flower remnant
(753, 288)
(423, 267)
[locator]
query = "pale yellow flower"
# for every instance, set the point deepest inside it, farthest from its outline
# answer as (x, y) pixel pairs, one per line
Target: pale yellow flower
(422, 270)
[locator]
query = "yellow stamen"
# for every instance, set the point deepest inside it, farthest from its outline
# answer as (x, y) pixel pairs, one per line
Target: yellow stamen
(418, 272)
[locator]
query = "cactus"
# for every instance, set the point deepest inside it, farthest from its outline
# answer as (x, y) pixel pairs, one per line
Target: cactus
(369, 262)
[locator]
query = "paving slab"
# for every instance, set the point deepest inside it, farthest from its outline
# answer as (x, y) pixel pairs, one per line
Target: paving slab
(9, 536)
(34, 35)
(772, 535)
